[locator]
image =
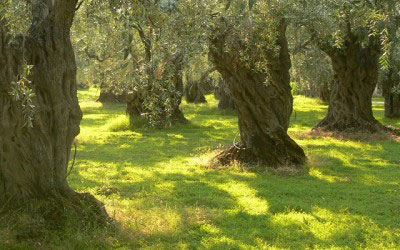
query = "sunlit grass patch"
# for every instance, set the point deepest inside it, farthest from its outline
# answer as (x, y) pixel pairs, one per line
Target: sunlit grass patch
(119, 123)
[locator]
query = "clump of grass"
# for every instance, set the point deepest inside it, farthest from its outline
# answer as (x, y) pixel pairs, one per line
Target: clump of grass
(117, 124)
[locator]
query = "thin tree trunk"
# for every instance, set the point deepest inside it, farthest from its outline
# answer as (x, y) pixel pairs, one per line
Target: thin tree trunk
(177, 68)
(34, 160)
(264, 110)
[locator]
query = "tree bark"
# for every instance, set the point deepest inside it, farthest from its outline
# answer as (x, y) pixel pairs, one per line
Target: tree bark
(264, 109)
(356, 71)
(193, 91)
(392, 100)
(34, 160)
(224, 95)
(177, 68)
(111, 94)
(325, 91)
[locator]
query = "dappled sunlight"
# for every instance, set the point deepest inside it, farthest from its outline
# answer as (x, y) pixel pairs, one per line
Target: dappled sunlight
(246, 198)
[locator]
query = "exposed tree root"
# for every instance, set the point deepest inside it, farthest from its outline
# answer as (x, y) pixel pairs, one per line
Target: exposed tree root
(238, 153)
(378, 132)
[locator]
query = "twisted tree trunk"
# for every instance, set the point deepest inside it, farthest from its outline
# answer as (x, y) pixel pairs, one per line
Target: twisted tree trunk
(325, 91)
(194, 90)
(356, 70)
(177, 79)
(264, 109)
(392, 100)
(223, 94)
(34, 160)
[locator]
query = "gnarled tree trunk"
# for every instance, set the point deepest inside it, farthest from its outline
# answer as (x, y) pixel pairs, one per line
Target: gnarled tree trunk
(177, 79)
(223, 94)
(264, 109)
(392, 100)
(325, 91)
(356, 72)
(34, 160)
(194, 90)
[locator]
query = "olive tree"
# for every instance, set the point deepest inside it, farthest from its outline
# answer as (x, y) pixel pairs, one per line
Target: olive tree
(40, 113)
(350, 34)
(249, 47)
(390, 73)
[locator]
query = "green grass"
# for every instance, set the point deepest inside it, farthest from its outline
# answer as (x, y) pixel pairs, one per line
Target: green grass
(156, 184)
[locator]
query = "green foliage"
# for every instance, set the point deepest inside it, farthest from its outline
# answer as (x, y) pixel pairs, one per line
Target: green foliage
(16, 14)
(295, 88)
(311, 69)
(22, 93)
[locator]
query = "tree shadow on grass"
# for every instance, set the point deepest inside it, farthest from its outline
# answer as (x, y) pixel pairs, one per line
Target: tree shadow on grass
(212, 218)
(151, 148)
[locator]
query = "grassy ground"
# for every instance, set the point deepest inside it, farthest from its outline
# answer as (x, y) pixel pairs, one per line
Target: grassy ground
(156, 185)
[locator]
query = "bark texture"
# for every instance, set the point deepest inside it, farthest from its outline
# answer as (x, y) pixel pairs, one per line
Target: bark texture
(264, 109)
(195, 89)
(223, 94)
(356, 70)
(392, 100)
(325, 92)
(34, 160)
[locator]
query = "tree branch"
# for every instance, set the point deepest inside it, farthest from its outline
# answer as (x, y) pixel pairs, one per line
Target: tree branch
(79, 5)
(146, 42)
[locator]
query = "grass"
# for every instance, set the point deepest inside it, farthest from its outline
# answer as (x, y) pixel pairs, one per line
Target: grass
(156, 185)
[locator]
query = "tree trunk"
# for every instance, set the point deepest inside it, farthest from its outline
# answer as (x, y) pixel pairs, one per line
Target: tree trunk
(111, 94)
(224, 95)
(193, 91)
(325, 92)
(264, 109)
(34, 160)
(177, 79)
(356, 71)
(137, 100)
(392, 100)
